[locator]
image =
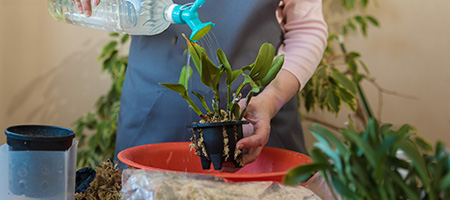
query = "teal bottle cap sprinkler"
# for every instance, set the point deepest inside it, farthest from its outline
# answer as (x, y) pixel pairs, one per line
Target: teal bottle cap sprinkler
(187, 14)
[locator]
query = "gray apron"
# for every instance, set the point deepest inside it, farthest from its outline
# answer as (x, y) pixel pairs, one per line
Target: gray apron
(150, 113)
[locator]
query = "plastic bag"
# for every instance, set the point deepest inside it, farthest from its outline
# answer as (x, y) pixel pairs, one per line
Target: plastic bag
(320, 187)
(145, 184)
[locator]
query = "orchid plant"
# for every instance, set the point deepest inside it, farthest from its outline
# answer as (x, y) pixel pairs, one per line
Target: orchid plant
(257, 75)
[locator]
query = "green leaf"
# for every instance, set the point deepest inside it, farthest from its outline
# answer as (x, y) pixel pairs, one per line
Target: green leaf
(333, 101)
(235, 74)
(353, 55)
(319, 156)
(347, 98)
(422, 143)
(367, 150)
(248, 67)
(344, 30)
(419, 163)
(309, 100)
(224, 61)
(344, 81)
(352, 66)
(114, 34)
(401, 183)
(301, 173)
(186, 73)
(210, 73)
(202, 100)
(445, 185)
(180, 89)
(325, 146)
(108, 49)
(263, 62)
(364, 3)
(349, 4)
(362, 22)
(235, 110)
(326, 135)
(176, 87)
(373, 21)
(274, 69)
(124, 38)
(195, 51)
(355, 169)
(373, 133)
(351, 24)
(253, 84)
(343, 189)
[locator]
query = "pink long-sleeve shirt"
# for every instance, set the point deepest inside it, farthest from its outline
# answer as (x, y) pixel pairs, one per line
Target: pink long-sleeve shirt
(305, 36)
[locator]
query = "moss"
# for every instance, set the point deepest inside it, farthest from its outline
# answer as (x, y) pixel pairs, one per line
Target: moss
(106, 185)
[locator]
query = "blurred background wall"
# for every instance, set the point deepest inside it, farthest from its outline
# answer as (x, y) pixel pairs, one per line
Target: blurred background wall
(49, 72)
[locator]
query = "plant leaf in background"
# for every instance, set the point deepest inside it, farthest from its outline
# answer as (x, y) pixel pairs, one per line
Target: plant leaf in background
(337, 78)
(367, 164)
(102, 123)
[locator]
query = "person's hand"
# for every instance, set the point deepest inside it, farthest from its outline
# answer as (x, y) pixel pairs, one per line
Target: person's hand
(260, 111)
(85, 6)
(256, 134)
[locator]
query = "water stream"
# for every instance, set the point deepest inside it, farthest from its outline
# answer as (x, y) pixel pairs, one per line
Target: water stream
(211, 44)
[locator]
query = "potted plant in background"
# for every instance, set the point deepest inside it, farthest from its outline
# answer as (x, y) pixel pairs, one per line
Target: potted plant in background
(216, 134)
(378, 163)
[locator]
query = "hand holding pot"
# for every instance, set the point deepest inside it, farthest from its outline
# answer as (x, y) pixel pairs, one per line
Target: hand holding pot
(260, 111)
(256, 134)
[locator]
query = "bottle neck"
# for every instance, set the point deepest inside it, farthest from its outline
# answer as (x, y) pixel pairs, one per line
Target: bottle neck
(168, 13)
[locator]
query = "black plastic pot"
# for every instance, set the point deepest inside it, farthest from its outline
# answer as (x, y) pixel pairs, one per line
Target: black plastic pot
(213, 142)
(39, 138)
(34, 164)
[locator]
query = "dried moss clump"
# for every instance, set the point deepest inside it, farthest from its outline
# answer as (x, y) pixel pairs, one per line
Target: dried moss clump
(106, 185)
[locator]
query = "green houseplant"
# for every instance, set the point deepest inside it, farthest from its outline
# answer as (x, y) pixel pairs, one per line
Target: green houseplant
(96, 130)
(375, 161)
(378, 163)
(219, 129)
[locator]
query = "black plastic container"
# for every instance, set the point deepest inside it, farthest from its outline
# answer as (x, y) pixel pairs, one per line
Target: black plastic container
(213, 140)
(39, 138)
(34, 169)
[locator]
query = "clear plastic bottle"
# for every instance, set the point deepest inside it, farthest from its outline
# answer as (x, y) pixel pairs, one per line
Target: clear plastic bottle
(136, 17)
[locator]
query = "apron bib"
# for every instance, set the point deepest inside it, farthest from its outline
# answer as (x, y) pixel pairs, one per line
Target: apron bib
(150, 113)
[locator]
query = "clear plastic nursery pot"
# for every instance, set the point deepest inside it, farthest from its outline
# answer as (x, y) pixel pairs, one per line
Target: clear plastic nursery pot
(36, 166)
(216, 143)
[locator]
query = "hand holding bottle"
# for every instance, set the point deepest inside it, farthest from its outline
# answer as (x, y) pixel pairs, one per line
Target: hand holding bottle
(85, 6)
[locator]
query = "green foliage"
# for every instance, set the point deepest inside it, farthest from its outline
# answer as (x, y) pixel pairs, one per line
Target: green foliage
(260, 74)
(379, 162)
(367, 164)
(337, 78)
(96, 130)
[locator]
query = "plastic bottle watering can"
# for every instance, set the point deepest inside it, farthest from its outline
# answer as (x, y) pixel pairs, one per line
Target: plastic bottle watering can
(187, 14)
(135, 17)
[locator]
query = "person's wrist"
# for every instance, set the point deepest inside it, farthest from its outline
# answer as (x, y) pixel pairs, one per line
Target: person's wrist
(270, 101)
(279, 92)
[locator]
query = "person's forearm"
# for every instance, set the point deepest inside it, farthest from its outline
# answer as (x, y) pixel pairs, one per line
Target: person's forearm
(305, 37)
(279, 91)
